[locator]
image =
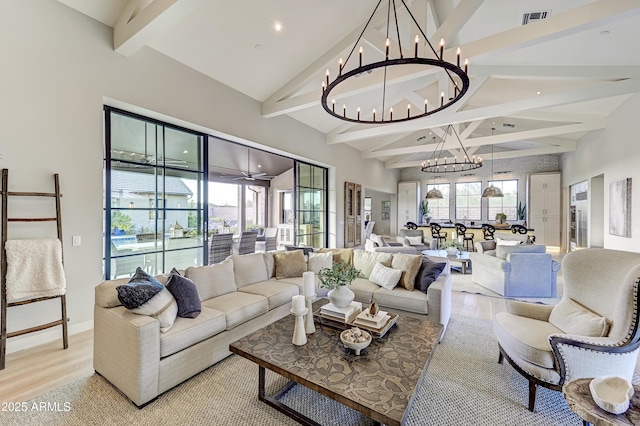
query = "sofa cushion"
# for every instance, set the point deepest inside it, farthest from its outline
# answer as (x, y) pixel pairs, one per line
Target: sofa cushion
(277, 293)
(409, 264)
(186, 294)
(189, 331)
(503, 251)
(249, 269)
(384, 276)
(289, 264)
(238, 307)
(317, 261)
(214, 280)
(526, 337)
(270, 263)
(106, 295)
(503, 242)
(573, 318)
(366, 260)
(428, 273)
(401, 298)
(363, 289)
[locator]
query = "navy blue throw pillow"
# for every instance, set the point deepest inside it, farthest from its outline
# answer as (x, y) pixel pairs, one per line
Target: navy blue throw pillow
(186, 294)
(428, 273)
(139, 290)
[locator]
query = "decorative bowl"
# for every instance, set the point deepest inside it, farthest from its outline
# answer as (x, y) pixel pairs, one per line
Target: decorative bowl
(611, 393)
(355, 339)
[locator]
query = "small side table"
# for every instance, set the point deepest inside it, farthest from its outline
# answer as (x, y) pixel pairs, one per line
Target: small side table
(578, 397)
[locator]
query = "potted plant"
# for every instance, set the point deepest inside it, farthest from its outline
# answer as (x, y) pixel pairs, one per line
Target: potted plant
(522, 211)
(452, 247)
(336, 279)
(424, 211)
(501, 217)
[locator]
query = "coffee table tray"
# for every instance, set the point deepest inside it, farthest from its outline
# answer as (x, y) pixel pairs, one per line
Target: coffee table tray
(341, 325)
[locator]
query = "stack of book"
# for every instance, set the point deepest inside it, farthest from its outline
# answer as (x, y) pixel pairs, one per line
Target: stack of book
(377, 321)
(346, 315)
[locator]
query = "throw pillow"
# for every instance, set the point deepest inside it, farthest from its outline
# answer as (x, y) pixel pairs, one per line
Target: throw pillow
(318, 261)
(186, 294)
(384, 276)
(417, 240)
(501, 242)
(249, 269)
(503, 251)
(162, 307)
(340, 255)
(428, 273)
(213, 280)
(139, 290)
(306, 250)
(409, 264)
(366, 260)
(270, 263)
(289, 264)
(573, 318)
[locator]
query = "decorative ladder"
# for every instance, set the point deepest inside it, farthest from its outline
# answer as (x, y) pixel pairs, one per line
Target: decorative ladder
(4, 305)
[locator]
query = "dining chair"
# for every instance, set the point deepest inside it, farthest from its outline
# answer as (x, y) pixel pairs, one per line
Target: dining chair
(247, 243)
(219, 247)
(270, 242)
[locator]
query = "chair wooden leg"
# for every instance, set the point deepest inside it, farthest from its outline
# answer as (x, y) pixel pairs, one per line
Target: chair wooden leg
(532, 396)
(500, 357)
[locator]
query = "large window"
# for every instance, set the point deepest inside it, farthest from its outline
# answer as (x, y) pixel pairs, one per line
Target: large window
(311, 206)
(154, 183)
(468, 201)
(439, 208)
(507, 204)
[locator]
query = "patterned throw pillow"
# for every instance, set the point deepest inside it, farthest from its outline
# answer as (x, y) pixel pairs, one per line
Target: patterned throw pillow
(384, 276)
(145, 295)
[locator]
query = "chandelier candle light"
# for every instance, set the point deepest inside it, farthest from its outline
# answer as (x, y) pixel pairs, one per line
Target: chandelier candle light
(459, 81)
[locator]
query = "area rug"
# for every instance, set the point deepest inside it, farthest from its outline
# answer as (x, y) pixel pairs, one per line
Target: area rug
(464, 283)
(464, 384)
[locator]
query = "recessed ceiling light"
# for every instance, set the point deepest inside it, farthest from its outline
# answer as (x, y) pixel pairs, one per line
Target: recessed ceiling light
(259, 166)
(185, 152)
(538, 92)
(278, 26)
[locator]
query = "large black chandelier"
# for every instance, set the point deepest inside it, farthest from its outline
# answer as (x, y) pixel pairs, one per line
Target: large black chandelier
(457, 77)
(440, 163)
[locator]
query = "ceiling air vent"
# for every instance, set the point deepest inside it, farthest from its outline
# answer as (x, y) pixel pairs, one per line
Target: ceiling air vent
(537, 15)
(509, 125)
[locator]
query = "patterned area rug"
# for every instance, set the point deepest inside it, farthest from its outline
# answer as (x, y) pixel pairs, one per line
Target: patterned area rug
(464, 283)
(464, 384)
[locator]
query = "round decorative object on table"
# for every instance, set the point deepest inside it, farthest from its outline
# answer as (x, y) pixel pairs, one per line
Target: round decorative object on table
(355, 339)
(452, 251)
(611, 393)
(578, 396)
(341, 296)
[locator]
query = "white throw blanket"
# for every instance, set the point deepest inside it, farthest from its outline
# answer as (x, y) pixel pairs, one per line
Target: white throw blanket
(34, 269)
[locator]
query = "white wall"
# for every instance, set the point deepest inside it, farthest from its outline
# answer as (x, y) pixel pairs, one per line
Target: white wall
(614, 153)
(58, 70)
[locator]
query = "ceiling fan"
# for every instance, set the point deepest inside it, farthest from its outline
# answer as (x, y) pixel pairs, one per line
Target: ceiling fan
(252, 176)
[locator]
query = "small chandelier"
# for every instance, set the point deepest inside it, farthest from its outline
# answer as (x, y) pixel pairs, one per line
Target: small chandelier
(441, 164)
(492, 191)
(459, 81)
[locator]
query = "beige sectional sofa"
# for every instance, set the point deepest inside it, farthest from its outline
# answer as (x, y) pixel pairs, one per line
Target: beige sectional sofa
(238, 296)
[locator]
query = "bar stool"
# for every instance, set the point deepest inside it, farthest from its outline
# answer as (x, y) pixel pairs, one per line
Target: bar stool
(437, 235)
(461, 229)
(488, 231)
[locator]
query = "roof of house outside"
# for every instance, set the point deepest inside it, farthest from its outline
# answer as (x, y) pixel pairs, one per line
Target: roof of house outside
(143, 182)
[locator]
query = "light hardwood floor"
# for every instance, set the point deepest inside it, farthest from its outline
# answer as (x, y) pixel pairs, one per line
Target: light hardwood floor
(35, 371)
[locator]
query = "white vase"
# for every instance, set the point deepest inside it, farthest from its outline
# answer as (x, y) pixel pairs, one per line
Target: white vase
(341, 297)
(452, 251)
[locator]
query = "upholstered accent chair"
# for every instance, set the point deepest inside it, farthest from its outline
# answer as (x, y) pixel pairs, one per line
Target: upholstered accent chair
(219, 247)
(592, 332)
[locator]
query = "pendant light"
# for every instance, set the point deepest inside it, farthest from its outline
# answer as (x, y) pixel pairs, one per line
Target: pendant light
(492, 191)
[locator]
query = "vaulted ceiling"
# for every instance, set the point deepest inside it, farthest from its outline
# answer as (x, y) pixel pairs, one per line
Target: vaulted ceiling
(542, 85)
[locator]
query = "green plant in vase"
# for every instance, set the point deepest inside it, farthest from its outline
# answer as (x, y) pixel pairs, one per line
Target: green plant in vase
(501, 217)
(424, 211)
(452, 247)
(522, 210)
(336, 279)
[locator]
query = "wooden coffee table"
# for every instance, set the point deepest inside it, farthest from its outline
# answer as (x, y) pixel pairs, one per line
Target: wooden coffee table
(579, 399)
(379, 383)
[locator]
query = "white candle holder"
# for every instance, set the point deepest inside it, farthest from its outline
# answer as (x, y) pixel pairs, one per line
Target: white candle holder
(299, 336)
(309, 326)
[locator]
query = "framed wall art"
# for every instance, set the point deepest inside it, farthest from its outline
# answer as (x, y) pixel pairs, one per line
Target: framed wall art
(620, 208)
